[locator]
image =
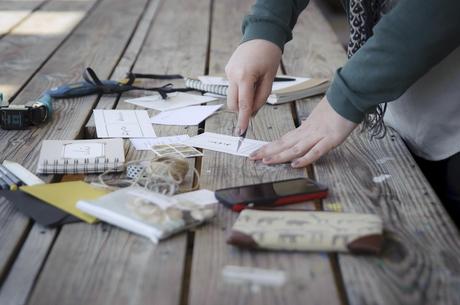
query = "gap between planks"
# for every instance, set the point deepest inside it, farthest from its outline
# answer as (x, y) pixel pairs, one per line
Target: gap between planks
(18, 20)
(56, 178)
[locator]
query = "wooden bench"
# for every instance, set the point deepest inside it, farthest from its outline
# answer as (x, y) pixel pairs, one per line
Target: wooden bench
(50, 42)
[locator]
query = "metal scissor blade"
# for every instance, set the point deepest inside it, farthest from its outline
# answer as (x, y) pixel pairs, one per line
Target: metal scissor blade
(241, 139)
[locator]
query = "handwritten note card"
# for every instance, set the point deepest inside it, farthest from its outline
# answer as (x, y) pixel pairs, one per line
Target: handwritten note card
(123, 124)
(192, 115)
(83, 150)
(224, 143)
(147, 143)
(174, 101)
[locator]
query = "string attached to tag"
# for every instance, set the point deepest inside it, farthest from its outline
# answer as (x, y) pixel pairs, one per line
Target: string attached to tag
(162, 175)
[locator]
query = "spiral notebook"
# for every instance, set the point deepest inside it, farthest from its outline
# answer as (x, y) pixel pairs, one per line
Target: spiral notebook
(81, 156)
(285, 88)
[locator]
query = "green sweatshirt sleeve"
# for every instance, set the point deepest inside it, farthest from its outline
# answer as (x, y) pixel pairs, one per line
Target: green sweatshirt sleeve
(407, 42)
(272, 20)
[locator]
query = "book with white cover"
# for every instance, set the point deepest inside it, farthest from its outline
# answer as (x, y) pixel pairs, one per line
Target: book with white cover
(150, 214)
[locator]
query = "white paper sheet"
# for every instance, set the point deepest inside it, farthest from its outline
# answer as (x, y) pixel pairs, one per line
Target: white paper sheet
(192, 115)
(147, 143)
(123, 124)
(224, 143)
(175, 100)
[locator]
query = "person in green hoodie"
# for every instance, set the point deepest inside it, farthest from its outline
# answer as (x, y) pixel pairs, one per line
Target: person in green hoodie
(403, 71)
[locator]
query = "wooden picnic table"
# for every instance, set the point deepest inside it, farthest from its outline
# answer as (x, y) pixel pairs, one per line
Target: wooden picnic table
(44, 43)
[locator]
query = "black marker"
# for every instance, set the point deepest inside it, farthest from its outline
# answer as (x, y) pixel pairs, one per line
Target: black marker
(284, 79)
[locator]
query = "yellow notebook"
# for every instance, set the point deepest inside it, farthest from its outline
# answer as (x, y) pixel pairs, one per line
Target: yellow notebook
(64, 195)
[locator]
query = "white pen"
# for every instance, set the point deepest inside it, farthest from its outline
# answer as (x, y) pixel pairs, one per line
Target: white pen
(22, 173)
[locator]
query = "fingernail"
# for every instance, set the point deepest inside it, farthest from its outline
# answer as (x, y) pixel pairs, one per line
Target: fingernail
(267, 159)
(253, 154)
(237, 132)
(295, 163)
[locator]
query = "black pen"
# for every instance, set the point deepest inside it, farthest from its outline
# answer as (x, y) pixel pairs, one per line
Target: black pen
(284, 79)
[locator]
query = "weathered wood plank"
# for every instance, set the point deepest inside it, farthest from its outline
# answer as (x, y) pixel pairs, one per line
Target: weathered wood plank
(126, 64)
(112, 20)
(310, 278)
(82, 49)
(17, 286)
(13, 228)
(33, 41)
(122, 268)
(22, 52)
(12, 12)
(109, 266)
(420, 264)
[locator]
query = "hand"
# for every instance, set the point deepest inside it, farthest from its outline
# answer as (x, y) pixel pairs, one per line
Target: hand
(250, 72)
(322, 131)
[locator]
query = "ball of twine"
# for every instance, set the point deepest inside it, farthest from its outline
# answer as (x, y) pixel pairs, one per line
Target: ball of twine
(162, 175)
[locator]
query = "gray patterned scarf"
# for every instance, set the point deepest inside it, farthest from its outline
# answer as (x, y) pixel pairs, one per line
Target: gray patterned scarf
(363, 15)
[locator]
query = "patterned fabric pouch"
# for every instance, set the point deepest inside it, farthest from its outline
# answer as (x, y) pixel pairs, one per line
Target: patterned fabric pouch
(308, 231)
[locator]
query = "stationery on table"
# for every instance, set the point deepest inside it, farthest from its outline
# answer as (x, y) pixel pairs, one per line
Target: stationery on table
(123, 124)
(284, 89)
(81, 156)
(64, 195)
(192, 115)
(308, 231)
(174, 101)
(224, 143)
(150, 214)
(41, 212)
(147, 143)
(22, 173)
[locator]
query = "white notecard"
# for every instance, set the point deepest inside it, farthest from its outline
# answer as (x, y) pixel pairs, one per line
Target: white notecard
(147, 143)
(224, 143)
(175, 100)
(192, 115)
(123, 124)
